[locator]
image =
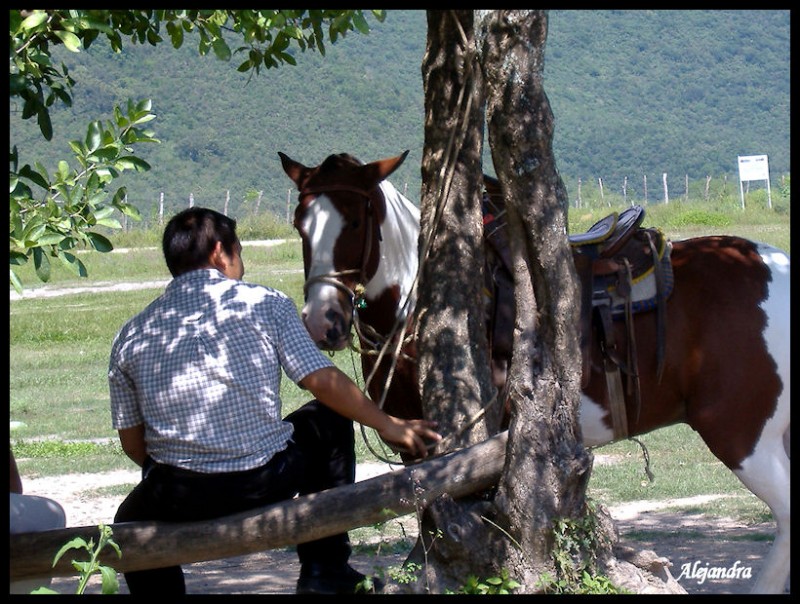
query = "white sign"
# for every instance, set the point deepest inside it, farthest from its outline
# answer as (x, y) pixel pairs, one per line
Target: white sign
(753, 167)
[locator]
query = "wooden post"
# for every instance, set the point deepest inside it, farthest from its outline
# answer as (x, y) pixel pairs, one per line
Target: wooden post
(288, 204)
(708, 185)
(157, 544)
(227, 200)
(645, 189)
(161, 208)
(686, 187)
(625, 190)
(602, 196)
(580, 202)
(666, 191)
(258, 201)
(191, 200)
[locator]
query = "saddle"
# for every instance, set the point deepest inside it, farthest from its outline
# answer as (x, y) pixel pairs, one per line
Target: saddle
(622, 269)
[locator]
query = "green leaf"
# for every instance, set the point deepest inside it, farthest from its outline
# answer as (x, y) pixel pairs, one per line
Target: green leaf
(70, 40)
(111, 223)
(15, 281)
(110, 581)
(137, 163)
(33, 233)
(17, 258)
(50, 238)
(35, 20)
(360, 23)
(94, 136)
(100, 243)
(43, 590)
(45, 125)
(63, 170)
(103, 212)
(222, 50)
(76, 543)
(34, 176)
(42, 264)
(73, 263)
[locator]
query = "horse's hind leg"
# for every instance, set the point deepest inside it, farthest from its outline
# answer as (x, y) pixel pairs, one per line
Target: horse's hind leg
(766, 473)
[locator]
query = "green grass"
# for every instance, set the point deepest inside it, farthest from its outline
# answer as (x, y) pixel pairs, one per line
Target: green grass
(58, 356)
(682, 467)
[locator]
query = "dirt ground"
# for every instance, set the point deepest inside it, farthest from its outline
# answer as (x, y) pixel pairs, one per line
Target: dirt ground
(687, 540)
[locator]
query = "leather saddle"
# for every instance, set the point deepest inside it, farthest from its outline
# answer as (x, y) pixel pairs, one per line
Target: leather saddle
(614, 259)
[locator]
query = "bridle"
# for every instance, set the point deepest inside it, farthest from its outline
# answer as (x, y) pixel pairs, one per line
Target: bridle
(334, 278)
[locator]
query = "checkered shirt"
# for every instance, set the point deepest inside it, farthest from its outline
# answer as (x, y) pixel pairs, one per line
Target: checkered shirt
(200, 367)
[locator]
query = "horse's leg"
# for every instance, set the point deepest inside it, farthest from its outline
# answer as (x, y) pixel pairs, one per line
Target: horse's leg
(766, 473)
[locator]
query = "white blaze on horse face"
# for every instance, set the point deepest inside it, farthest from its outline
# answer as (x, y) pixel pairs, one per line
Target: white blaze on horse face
(323, 224)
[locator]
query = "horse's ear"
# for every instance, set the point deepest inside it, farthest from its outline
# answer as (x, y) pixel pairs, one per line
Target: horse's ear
(294, 170)
(381, 169)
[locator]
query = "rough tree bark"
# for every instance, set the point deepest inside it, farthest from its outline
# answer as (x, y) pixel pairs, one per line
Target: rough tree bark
(545, 445)
(452, 344)
(454, 367)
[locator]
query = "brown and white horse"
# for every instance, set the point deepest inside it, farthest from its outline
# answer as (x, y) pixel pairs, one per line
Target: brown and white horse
(726, 365)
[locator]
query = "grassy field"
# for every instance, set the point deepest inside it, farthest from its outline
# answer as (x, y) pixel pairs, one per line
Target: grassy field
(58, 349)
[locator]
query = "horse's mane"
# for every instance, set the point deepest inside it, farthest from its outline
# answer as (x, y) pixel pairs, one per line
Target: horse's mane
(400, 241)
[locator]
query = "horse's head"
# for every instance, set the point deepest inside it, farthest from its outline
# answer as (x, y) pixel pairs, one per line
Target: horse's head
(339, 215)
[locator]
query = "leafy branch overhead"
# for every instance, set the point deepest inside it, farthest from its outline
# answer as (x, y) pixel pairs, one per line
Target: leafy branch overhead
(52, 215)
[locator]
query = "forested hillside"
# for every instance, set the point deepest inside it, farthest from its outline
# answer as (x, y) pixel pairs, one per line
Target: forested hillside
(633, 92)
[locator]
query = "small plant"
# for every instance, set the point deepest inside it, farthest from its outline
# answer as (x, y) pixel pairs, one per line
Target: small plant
(87, 569)
(589, 584)
(492, 586)
(575, 547)
(405, 574)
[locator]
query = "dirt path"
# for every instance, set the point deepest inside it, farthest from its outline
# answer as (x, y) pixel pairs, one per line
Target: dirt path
(687, 540)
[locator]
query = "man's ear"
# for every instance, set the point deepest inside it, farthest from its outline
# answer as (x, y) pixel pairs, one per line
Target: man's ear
(218, 259)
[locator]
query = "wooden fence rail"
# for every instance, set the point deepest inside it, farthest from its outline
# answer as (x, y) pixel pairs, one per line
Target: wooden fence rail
(155, 544)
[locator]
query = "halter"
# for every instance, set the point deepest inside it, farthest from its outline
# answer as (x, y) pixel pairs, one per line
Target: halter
(334, 278)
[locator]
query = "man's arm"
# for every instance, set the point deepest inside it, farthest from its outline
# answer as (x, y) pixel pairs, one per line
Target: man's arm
(132, 441)
(335, 389)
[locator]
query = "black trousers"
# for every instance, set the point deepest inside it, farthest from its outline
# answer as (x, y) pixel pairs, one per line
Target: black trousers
(320, 455)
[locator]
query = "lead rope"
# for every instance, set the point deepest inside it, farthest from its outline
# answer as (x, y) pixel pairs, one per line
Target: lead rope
(445, 178)
(646, 456)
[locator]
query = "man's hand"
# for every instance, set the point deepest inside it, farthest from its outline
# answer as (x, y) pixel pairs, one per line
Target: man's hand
(410, 435)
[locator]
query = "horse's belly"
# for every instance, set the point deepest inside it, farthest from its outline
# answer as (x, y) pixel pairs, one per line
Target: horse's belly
(594, 429)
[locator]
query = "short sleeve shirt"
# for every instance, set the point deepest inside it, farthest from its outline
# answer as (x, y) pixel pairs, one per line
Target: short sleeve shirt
(201, 368)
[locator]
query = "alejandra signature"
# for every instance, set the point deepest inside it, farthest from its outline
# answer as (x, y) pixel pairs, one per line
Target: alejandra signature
(700, 573)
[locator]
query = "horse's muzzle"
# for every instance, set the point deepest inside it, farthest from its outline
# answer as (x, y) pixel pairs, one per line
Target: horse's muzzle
(333, 333)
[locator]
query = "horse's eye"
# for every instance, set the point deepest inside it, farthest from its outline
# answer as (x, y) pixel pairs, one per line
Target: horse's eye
(355, 224)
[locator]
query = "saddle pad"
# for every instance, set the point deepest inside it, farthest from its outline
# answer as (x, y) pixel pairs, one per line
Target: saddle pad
(644, 295)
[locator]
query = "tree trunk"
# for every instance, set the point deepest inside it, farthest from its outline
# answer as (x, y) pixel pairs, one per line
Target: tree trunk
(452, 341)
(545, 445)
(453, 354)
(496, 59)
